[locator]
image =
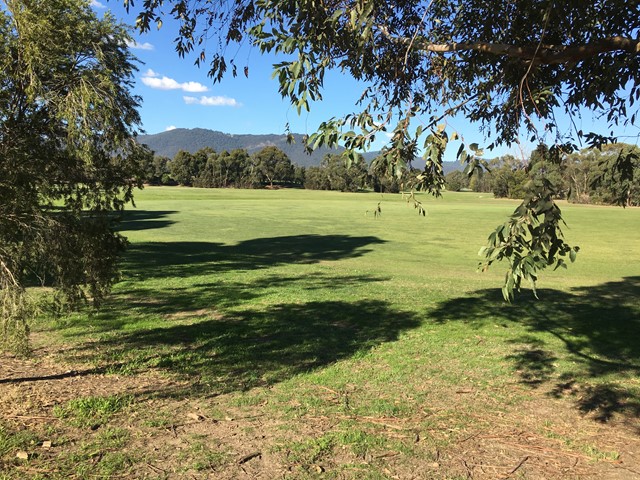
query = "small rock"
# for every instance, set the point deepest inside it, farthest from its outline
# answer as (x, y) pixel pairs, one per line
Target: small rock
(46, 444)
(22, 455)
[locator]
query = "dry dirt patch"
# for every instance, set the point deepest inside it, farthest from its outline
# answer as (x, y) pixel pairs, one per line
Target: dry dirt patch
(172, 434)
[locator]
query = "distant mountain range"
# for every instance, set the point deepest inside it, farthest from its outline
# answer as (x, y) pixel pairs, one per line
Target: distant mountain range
(167, 144)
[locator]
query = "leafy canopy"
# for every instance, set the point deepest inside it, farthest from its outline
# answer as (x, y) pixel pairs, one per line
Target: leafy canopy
(68, 158)
(510, 67)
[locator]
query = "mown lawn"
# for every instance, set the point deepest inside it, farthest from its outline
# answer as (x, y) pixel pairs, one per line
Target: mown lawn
(293, 334)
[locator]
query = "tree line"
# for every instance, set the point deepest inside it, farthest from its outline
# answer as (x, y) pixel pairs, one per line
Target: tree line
(270, 167)
(227, 169)
(580, 177)
(585, 176)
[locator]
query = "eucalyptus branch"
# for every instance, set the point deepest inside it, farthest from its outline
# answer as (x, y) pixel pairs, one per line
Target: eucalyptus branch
(537, 54)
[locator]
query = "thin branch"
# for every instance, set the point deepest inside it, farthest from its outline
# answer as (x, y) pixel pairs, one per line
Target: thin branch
(452, 110)
(415, 35)
(524, 78)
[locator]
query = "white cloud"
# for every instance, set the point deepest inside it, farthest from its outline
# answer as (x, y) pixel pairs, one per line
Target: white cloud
(96, 4)
(139, 46)
(215, 101)
(153, 80)
(170, 127)
(193, 87)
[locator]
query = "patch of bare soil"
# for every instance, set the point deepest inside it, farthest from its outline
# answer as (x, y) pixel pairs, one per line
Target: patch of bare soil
(547, 439)
(200, 436)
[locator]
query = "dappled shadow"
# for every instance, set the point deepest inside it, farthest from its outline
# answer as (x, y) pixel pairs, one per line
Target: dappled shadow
(598, 326)
(183, 259)
(134, 306)
(253, 347)
(131, 220)
(534, 364)
(218, 331)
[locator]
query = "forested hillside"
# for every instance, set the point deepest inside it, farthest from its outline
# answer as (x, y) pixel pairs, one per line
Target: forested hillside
(167, 144)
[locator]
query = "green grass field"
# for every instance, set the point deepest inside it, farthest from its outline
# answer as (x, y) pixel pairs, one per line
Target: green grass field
(293, 334)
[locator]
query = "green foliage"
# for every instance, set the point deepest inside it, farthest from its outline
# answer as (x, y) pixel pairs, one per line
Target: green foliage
(456, 181)
(609, 175)
(226, 169)
(530, 240)
(185, 167)
(335, 173)
(68, 157)
(271, 165)
(207, 168)
(388, 179)
(508, 177)
(589, 176)
(156, 170)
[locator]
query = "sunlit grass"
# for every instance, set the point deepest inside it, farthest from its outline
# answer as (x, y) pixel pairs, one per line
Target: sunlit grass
(305, 303)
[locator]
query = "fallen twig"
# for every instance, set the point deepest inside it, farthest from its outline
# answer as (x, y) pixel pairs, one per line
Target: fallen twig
(386, 455)
(328, 389)
(246, 458)
(156, 469)
(469, 470)
(469, 437)
(514, 469)
(31, 417)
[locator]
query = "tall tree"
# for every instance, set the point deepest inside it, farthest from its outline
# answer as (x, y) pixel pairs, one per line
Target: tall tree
(68, 157)
(456, 181)
(509, 66)
(226, 169)
(185, 167)
(271, 164)
(615, 185)
(334, 174)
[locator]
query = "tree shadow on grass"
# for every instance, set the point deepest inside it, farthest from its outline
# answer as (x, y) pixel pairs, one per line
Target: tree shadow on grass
(215, 332)
(253, 347)
(133, 308)
(185, 259)
(132, 220)
(215, 289)
(599, 328)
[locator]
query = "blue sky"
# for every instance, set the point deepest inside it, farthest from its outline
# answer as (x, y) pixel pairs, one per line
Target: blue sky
(178, 94)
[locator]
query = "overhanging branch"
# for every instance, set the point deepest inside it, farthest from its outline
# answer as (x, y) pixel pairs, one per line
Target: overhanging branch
(546, 54)
(541, 54)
